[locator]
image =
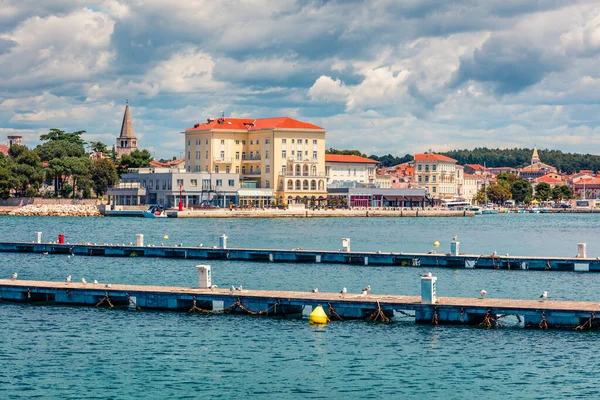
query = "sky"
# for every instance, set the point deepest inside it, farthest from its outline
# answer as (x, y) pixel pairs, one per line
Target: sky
(383, 77)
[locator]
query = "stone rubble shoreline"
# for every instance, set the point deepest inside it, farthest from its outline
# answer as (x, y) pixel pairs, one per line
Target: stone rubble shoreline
(57, 210)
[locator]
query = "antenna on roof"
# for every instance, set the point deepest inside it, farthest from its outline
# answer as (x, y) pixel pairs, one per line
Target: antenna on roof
(222, 114)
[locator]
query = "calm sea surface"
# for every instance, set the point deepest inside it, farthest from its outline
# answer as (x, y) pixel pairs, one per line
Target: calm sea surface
(70, 352)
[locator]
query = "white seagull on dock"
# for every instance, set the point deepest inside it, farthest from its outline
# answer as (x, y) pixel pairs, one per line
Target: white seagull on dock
(315, 290)
(544, 295)
(95, 282)
(232, 289)
(483, 293)
(68, 280)
(14, 275)
(366, 290)
(344, 291)
(83, 280)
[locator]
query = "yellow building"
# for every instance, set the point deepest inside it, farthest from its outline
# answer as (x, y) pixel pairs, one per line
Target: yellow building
(282, 154)
(436, 173)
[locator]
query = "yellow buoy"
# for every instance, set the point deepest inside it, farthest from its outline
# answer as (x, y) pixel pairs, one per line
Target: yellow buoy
(436, 243)
(165, 237)
(318, 316)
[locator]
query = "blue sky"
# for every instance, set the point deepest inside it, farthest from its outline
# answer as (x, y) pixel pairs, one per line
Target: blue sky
(381, 76)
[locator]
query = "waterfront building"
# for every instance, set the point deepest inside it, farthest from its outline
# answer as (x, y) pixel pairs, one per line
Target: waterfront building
(551, 179)
(282, 154)
(126, 142)
(347, 170)
(587, 188)
(164, 185)
(377, 197)
(466, 184)
(499, 170)
(436, 173)
(178, 163)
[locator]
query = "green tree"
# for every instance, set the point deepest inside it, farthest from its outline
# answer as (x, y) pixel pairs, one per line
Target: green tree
(103, 175)
(99, 147)
(566, 192)
(7, 182)
(345, 152)
(135, 159)
(521, 190)
(26, 169)
(498, 193)
(60, 135)
(543, 191)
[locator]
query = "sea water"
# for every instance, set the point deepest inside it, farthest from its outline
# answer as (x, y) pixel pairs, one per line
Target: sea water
(78, 352)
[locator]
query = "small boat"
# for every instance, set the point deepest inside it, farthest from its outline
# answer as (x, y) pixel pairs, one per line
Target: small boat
(489, 211)
(534, 210)
(155, 212)
(545, 210)
(475, 209)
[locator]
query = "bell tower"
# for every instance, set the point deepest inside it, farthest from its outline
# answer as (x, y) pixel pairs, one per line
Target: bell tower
(535, 158)
(126, 142)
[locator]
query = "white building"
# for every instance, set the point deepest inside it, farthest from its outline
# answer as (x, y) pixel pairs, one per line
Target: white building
(437, 174)
(347, 171)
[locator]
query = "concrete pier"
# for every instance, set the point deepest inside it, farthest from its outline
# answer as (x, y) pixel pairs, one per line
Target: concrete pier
(446, 310)
(400, 259)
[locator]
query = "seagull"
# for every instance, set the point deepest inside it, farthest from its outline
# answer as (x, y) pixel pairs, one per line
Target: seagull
(68, 280)
(315, 290)
(201, 245)
(544, 296)
(83, 280)
(107, 285)
(240, 288)
(367, 290)
(14, 275)
(343, 291)
(482, 293)
(213, 287)
(232, 289)
(95, 282)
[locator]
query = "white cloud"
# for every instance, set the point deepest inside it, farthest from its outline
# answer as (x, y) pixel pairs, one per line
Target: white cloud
(328, 89)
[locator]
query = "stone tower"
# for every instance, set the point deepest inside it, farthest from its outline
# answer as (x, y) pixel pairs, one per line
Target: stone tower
(15, 140)
(126, 142)
(535, 158)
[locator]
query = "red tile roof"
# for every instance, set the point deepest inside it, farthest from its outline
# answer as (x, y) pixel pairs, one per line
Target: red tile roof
(587, 181)
(166, 164)
(476, 167)
(348, 159)
(251, 124)
(548, 179)
(4, 149)
(433, 157)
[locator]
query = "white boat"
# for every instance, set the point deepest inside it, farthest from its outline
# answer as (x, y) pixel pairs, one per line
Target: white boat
(534, 210)
(475, 209)
(155, 212)
(545, 210)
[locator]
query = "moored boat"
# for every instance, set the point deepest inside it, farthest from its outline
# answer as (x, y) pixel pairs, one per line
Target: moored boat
(155, 212)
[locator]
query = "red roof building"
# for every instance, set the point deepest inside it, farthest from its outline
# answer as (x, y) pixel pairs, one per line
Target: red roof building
(340, 158)
(4, 149)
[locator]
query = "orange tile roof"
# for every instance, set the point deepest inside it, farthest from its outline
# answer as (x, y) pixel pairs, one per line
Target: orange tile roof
(251, 124)
(433, 157)
(548, 179)
(4, 149)
(348, 159)
(587, 181)
(476, 167)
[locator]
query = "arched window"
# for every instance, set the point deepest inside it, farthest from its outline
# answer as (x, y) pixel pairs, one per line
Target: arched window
(314, 170)
(305, 170)
(290, 185)
(305, 185)
(298, 187)
(313, 185)
(298, 171)
(321, 185)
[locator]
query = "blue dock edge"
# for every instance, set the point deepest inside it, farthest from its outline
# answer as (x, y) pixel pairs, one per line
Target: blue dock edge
(315, 256)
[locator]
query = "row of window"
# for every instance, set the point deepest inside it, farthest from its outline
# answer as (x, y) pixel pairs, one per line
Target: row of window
(433, 167)
(298, 155)
(305, 185)
(252, 142)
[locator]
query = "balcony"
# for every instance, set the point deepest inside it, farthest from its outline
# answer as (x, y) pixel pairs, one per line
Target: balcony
(253, 173)
(291, 175)
(251, 159)
(227, 160)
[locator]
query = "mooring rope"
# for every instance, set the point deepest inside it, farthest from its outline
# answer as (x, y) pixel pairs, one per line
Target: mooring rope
(548, 266)
(378, 314)
(107, 299)
(331, 312)
(133, 302)
(434, 320)
(587, 324)
(543, 322)
(238, 304)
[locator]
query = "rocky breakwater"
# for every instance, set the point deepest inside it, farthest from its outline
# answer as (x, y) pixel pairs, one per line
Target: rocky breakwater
(57, 210)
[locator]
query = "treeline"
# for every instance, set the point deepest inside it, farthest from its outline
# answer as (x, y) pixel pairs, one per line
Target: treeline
(518, 158)
(386, 161)
(511, 187)
(62, 161)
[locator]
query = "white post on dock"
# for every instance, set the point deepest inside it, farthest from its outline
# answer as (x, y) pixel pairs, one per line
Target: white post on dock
(39, 237)
(428, 289)
(346, 245)
(454, 246)
(204, 278)
(222, 242)
(139, 240)
(581, 250)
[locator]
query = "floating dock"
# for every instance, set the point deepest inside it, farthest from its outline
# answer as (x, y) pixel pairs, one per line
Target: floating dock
(449, 260)
(445, 310)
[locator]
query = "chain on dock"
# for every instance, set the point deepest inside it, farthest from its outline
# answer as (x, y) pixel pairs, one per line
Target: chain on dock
(107, 299)
(548, 266)
(587, 324)
(543, 322)
(238, 304)
(489, 321)
(332, 313)
(198, 309)
(434, 320)
(132, 302)
(378, 314)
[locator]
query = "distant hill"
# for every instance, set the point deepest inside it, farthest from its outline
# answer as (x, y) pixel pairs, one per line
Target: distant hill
(517, 158)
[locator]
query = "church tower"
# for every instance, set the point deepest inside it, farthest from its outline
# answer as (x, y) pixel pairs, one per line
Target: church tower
(535, 158)
(126, 142)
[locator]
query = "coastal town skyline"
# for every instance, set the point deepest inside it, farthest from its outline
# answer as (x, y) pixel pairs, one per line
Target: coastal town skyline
(519, 75)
